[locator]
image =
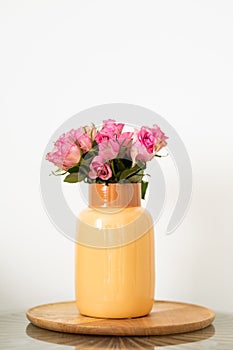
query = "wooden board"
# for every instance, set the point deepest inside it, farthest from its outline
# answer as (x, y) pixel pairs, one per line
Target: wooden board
(166, 318)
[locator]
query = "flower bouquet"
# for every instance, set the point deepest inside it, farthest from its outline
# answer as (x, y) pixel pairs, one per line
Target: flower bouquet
(108, 154)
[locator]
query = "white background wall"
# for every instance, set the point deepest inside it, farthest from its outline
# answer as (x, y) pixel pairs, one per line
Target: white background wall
(59, 57)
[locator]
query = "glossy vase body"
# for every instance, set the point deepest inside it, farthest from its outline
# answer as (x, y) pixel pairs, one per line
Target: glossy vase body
(114, 254)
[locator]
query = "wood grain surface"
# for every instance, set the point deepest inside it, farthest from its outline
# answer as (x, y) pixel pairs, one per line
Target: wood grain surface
(166, 318)
(17, 333)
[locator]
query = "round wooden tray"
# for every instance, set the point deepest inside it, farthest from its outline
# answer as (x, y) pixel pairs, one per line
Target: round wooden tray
(166, 318)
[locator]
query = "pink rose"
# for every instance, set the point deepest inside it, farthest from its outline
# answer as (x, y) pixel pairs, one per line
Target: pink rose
(84, 136)
(152, 138)
(109, 149)
(99, 168)
(85, 142)
(65, 153)
(111, 124)
(160, 137)
(125, 138)
(147, 138)
(109, 131)
(140, 152)
(76, 133)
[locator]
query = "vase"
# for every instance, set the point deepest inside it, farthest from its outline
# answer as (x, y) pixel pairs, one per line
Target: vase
(114, 258)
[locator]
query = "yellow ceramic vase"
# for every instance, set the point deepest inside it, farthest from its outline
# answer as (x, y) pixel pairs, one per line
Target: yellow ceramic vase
(115, 254)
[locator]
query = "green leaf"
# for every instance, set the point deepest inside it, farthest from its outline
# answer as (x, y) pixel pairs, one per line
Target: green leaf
(127, 173)
(144, 186)
(74, 169)
(136, 178)
(85, 163)
(119, 165)
(75, 177)
(82, 166)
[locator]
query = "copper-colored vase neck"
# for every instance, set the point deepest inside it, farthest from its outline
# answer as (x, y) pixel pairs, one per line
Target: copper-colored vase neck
(115, 195)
